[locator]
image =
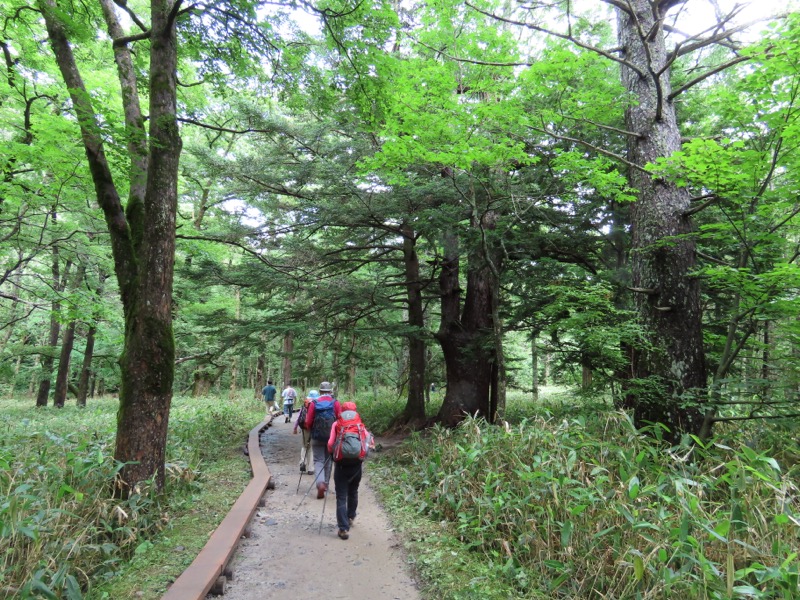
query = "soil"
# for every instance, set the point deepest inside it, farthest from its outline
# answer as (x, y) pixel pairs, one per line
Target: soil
(294, 552)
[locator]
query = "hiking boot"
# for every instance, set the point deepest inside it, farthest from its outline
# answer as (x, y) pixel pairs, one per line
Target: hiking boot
(321, 489)
(351, 520)
(343, 535)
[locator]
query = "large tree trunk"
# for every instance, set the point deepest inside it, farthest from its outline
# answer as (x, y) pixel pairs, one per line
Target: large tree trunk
(148, 361)
(671, 362)
(142, 235)
(414, 412)
(466, 336)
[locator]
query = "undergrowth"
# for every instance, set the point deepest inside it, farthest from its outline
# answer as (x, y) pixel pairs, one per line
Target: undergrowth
(588, 507)
(61, 530)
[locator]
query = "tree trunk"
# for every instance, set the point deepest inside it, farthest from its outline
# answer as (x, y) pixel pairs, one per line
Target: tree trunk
(260, 378)
(286, 358)
(414, 412)
(586, 376)
(148, 360)
(233, 383)
(86, 368)
(663, 252)
(48, 358)
(62, 378)
(766, 359)
(142, 235)
(67, 343)
(466, 338)
(535, 365)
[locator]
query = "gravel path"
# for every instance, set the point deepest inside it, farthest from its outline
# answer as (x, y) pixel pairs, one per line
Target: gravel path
(287, 556)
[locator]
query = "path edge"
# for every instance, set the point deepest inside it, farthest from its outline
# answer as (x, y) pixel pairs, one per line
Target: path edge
(209, 565)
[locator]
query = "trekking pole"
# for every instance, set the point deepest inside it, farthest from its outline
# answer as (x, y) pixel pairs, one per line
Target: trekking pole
(316, 477)
(324, 501)
(322, 516)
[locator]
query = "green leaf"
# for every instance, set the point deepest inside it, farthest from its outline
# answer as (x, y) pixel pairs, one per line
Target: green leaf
(638, 568)
(633, 488)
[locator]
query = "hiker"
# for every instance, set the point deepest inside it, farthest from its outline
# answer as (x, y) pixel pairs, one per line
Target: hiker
(269, 392)
(348, 444)
(288, 394)
(306, 462)
(320, 416)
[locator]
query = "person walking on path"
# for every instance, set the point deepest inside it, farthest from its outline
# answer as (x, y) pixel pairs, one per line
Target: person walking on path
(373, 564)
(306, 462)
(289, 394)
(269, 392)
(348, 444)
(321, 414)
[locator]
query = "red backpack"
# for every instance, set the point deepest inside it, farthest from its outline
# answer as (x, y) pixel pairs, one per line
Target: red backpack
(352, 438)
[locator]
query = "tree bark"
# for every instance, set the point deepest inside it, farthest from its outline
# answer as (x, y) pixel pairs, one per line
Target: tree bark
(48, 358)
(466, 335)
(671, 362)
(286, 358)
(148, 360)
(62, 376)
(142, 236)
(260, 378)
(414, 413)
(535, 365)
(67, 344)
(86, 368)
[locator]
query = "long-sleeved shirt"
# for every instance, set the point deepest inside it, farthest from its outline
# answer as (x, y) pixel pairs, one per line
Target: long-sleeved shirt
(337, 409)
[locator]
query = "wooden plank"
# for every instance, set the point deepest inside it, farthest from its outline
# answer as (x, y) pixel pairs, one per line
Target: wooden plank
(197, 580)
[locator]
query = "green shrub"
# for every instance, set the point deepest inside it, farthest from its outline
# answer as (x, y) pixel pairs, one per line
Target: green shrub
(579, 507)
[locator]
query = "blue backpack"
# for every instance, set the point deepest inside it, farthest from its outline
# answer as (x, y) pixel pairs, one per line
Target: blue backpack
(323, 420)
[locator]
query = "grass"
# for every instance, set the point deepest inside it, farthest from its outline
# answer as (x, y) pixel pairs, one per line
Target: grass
(63, 535)
(564, 505)
(561, 502)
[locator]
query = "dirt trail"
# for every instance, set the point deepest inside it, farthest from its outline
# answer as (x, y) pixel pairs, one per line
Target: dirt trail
(287, 556)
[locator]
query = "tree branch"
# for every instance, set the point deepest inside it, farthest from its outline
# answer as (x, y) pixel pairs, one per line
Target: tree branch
(125, 40)
(562, 36)
(590, 146)
(707, 74)
(754, 417)
(123, 4)
(696, 209)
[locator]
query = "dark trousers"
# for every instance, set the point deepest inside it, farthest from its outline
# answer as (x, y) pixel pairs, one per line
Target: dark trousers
(346, 478)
